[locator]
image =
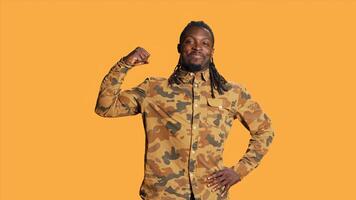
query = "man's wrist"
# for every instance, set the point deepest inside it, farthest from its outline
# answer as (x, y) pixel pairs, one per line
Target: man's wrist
(235, 169)
(122, 63)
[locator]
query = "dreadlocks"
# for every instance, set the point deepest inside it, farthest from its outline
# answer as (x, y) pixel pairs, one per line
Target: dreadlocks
(217, 81)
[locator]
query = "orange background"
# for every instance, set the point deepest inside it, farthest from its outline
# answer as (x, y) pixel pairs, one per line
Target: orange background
(297, 58)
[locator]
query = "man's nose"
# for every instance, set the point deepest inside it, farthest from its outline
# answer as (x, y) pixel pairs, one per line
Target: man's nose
(196, 46)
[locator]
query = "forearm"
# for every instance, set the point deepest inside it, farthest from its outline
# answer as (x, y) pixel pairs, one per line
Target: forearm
(258, 146)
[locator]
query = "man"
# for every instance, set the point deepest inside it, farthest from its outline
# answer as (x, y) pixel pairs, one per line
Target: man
(187, 119)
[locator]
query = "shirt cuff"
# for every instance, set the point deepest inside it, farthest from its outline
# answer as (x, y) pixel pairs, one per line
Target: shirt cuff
(238, 172)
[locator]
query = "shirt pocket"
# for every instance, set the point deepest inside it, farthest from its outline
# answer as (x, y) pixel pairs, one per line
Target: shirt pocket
(218, 122)
(218, 113)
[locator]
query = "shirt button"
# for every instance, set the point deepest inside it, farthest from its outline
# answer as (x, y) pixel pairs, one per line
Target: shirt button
(194, 127)
(195, 85)
(196, 105)
(220, 107)
(191, 73)
(193, 152)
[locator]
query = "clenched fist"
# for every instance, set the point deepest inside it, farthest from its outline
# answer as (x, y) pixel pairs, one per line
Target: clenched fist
(139, 56)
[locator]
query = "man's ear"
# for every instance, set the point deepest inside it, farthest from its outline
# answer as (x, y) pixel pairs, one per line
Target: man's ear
(212, 52)
(178, 48)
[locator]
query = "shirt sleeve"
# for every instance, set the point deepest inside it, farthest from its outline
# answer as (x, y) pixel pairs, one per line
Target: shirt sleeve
(112, 101)
(253, 118)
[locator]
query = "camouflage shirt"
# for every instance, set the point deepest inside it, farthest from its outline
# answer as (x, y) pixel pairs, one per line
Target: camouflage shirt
(185, 130)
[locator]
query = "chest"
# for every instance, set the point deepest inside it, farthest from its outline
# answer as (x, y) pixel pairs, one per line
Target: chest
(190, 102)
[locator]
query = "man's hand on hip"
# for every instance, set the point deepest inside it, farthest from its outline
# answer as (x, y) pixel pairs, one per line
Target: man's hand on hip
(224, 178)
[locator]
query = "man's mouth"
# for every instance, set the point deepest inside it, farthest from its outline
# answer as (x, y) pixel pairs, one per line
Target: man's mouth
(198, 55)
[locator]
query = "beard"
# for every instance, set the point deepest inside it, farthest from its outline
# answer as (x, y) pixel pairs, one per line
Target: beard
(192, 67)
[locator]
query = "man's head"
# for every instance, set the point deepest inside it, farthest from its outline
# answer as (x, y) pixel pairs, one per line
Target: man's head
(196, 46)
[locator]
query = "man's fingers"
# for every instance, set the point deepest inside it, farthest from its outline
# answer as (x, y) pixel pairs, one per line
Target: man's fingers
(213, 181)
(143, 51)
(142, 57)
(220, 180)
(215, 178)
(216, 187)
(216, 174)
(146, 53)
(141, 62)
(225, 182)
(226, 189)
(218, 183)
(138, 56)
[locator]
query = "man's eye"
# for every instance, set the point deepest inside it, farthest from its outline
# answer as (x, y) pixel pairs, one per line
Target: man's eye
(188, 41)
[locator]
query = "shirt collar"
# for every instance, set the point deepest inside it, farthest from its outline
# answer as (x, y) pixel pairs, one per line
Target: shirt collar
(187, 77)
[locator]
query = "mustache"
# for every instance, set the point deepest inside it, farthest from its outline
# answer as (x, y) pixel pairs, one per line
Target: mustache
(196, 53)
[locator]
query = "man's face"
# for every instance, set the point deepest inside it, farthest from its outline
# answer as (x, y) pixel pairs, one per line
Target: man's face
(196, 49)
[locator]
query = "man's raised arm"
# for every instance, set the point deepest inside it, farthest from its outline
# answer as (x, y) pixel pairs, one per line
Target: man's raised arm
(112, 102)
